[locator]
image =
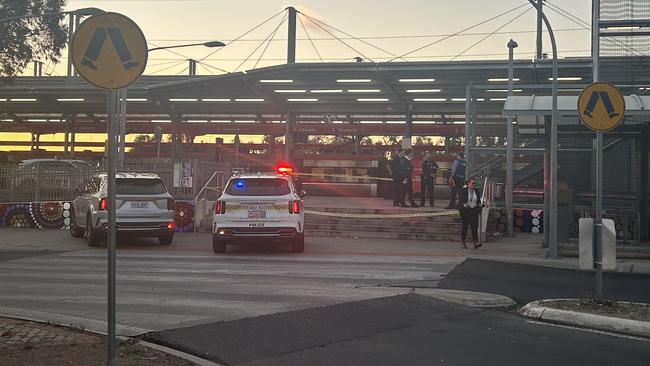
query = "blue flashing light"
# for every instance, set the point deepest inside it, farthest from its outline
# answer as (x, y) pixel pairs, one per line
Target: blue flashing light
(239, 184)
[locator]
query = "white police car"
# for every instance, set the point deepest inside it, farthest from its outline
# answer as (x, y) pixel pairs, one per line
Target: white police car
(259, 208)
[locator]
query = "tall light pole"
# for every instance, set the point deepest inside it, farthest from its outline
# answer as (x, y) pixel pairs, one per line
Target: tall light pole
(511, 140)
(550, 220)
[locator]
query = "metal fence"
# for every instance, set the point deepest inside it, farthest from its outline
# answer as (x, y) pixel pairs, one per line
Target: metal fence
(58, 182)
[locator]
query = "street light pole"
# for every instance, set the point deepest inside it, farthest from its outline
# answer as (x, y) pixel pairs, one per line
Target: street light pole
(209, 44)
(550, 220)
(510, 140)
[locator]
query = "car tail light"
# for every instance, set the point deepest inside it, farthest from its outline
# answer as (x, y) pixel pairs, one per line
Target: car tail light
(102, 204)
(294, 207)
(220, 208)
(170, 203)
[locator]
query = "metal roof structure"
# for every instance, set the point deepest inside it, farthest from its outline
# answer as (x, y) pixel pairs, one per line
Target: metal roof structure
(325, 98)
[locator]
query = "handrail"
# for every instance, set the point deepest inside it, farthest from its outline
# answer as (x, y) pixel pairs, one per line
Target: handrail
(494, 160)
(205, 186)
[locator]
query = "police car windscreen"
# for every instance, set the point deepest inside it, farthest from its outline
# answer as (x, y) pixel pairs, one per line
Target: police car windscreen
(258, 187)
(140, 186)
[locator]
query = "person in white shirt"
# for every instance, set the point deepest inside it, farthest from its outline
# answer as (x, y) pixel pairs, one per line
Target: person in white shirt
(469, 205)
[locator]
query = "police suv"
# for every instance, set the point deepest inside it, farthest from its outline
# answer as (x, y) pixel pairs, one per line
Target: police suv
(260, 208)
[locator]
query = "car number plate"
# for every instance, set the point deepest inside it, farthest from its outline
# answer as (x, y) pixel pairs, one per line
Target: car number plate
(139, 204)
(256, 214)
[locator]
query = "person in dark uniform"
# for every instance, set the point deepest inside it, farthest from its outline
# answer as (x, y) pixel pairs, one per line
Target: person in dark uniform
(457, 178)
(408, 175)
(469, 206)
(428, 179)
(397, 172)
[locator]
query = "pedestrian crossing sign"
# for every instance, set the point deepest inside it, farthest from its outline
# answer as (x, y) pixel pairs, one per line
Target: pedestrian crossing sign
(109, 50)
(601, 106)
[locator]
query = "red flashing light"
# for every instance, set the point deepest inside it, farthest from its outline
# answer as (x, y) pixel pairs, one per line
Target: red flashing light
(170, 226)
(102, 204)
(284, 169)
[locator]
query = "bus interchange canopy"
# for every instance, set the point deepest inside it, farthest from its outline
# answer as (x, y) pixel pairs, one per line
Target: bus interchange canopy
(322, 98)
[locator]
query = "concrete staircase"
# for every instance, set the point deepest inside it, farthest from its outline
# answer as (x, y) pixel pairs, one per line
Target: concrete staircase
(438, 228)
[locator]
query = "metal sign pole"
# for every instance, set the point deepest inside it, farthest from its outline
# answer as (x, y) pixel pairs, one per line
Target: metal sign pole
(106, 71)
(598, 254)
(111, 237)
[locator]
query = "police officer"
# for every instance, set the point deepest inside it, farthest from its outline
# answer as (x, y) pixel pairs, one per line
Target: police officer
(428, 179)
(457, 178)
(397, 172)
(408, 177)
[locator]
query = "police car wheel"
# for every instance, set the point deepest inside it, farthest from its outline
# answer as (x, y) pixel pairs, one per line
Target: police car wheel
(75, 231)
(218, 245)
(92, 236)
(166, 239)
(298, 244)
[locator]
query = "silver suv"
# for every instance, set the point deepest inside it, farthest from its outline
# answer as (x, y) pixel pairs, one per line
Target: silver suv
(143, 208)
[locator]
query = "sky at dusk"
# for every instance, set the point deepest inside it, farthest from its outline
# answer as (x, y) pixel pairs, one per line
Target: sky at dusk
(413, 23)
(391, 28)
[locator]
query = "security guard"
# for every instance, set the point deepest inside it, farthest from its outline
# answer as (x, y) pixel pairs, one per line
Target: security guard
(428, 179)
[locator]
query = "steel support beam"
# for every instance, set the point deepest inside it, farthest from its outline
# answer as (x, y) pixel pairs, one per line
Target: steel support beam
(408, 128)
(291, 42)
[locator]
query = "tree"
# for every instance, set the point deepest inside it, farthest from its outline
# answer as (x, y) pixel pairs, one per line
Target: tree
(38, 38)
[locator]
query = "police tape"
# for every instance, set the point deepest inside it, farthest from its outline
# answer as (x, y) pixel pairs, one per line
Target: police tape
(365, 177)
(380, 216)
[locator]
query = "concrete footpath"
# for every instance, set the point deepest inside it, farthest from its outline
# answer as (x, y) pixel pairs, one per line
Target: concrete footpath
(526, 248)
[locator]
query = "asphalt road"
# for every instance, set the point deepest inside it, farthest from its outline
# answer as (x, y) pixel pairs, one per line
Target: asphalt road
(525, 283)
(47, 274)
(401, 330)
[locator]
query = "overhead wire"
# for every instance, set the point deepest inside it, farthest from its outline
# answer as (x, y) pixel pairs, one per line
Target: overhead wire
(353, 37)
(182, 71)
(166, 68)
(340, 40)
(489, 35)
(260, 45)
(309, 37)
(575, 19)
(168, 50)
(461, 31)
(207, 69)
(268, 43)
(405, 36)
(212, 67)
(244, 35)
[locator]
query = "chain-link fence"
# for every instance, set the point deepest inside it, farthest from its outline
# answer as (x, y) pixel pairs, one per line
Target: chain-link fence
(40, 180)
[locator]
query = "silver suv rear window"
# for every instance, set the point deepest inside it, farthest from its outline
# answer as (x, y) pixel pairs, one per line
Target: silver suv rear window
(140, 186)
(258, 187)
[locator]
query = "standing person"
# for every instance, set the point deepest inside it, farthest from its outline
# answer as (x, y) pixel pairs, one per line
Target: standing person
(428, 179)
(457, 178)
(469, 206)
(408, 177)
(397, 172)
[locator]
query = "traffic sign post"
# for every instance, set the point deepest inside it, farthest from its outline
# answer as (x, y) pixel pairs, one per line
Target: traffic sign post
(601, 107)
(110, 52)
